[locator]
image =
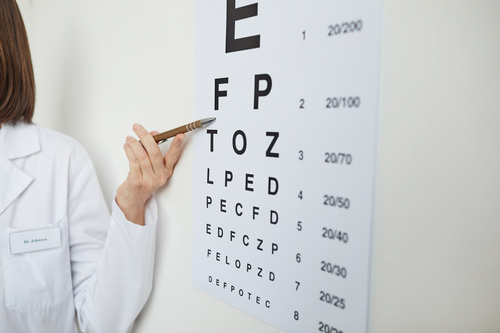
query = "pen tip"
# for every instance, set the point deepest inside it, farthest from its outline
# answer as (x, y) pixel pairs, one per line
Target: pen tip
(207, 121)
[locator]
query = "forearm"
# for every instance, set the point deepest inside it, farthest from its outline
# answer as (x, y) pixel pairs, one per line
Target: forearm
(123, 277)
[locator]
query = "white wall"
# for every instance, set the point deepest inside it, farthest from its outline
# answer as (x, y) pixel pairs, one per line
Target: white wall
(102, 65)
(436, 256)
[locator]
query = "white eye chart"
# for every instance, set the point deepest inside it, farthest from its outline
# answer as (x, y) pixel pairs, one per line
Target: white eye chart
(284, 179)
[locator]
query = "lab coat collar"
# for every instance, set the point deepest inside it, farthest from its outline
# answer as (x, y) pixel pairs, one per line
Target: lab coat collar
(18, 141)
(15, 142)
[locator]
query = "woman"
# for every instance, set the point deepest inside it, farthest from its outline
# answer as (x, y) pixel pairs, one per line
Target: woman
(65, 262)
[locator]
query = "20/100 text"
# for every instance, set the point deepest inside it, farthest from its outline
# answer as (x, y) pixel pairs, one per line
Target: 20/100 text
(343, 102)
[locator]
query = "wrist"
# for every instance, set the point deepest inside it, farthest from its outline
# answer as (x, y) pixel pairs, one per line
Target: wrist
(131, 205)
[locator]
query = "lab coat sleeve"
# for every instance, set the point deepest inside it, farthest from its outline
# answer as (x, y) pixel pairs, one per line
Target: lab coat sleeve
(112, 259)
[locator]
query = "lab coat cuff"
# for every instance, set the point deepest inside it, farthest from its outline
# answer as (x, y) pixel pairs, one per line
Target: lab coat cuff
(150, 219)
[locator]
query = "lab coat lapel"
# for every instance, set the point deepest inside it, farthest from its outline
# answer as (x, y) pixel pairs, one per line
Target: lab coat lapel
(13, 182)
(15, 142)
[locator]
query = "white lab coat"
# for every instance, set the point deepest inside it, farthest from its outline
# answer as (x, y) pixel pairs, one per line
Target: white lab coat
(101, 275)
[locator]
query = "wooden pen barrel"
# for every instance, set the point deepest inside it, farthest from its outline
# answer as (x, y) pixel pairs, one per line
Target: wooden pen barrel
(181, 129)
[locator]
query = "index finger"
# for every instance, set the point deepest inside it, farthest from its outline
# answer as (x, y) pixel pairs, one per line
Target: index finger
(151, 147)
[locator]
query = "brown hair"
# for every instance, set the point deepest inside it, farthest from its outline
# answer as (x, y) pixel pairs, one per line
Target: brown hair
(17, 83)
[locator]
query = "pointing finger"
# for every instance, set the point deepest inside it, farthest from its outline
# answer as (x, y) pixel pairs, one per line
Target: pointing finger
(155, 155)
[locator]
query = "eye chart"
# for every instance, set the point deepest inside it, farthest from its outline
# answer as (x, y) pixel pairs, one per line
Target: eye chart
(283, 180)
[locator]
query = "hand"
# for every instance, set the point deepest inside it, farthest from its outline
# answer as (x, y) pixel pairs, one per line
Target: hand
(149, 170)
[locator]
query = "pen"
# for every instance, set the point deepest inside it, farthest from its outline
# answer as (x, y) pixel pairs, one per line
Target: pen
(162, 137)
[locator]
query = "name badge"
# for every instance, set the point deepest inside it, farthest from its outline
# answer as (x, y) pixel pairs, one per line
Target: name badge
(34, 240)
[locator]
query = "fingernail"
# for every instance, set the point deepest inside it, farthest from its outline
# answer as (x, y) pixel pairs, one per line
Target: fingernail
(137, 126)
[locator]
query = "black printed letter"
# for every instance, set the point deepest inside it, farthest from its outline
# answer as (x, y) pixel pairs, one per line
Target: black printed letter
(234, 14)
(257, 92)
(219, 93)
(275, 136)
(211, 132)
(244, 137)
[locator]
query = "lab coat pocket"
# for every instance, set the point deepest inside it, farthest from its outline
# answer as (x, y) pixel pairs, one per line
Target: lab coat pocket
(37, 279)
